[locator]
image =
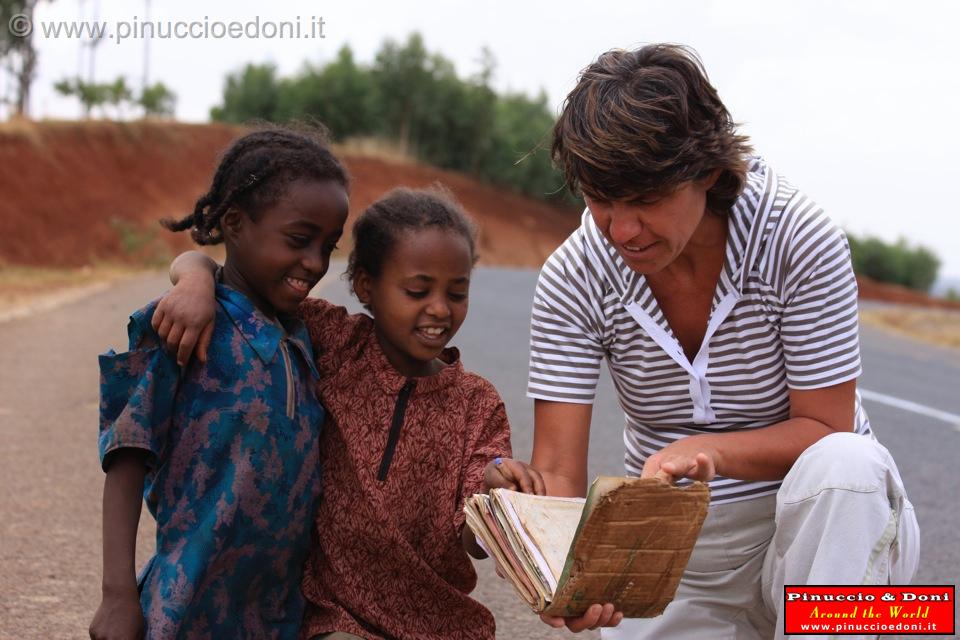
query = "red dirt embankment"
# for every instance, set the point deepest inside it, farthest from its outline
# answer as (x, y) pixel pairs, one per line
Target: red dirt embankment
(884, 292)
(78, 193)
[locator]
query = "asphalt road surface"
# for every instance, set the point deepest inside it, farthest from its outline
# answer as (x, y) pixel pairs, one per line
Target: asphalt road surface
(50, 479)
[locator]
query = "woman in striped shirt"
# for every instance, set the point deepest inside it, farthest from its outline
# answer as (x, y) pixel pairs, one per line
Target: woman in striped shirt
(724, 303)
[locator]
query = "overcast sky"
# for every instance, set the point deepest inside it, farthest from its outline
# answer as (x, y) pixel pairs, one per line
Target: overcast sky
(857, 103)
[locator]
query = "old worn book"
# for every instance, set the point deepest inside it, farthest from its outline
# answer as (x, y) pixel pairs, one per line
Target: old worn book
(627, 543)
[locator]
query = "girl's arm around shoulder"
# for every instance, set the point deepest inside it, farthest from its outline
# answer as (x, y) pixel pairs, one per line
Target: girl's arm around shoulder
(185, 315)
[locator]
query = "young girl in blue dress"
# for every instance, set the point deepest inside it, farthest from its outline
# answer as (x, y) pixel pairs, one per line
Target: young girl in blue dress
(225, 452)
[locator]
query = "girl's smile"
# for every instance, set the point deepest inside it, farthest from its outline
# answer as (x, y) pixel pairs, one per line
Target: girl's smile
(433, 336)
(299, 285)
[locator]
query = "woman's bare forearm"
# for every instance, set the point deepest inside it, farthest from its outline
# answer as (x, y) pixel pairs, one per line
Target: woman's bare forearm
(560, 442)
(767, 453)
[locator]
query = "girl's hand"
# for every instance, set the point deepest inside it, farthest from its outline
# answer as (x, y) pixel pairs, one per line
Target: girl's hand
(184, 317)
(595, 617)
(691, 457)
(118, 618)
(507, 473)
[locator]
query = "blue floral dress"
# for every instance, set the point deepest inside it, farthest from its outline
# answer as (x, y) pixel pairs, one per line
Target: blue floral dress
(233, 470)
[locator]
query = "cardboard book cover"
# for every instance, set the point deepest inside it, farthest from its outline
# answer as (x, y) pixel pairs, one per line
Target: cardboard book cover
(631, 546)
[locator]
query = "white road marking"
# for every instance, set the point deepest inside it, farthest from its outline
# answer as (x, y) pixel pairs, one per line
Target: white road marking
(915, 407)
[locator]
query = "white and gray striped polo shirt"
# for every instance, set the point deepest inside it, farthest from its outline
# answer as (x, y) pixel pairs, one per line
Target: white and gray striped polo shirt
(784, 316)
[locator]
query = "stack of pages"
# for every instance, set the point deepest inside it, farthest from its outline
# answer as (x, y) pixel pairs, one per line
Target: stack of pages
(628, 543)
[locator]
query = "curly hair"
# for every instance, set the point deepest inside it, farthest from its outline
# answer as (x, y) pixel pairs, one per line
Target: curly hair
(402, 210)
(640, 123)
(253, 174)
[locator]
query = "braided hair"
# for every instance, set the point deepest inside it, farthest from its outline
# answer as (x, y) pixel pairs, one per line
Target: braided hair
(253, 175)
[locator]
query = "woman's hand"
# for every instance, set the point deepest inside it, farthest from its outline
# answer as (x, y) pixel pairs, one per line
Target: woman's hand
(595, 617)
(119, 617)
(507, 473)
(692, 457)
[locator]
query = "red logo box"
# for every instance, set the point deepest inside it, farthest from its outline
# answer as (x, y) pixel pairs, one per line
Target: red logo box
(869, 610)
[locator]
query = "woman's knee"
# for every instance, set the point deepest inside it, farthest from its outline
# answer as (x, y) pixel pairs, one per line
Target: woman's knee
(845, 461)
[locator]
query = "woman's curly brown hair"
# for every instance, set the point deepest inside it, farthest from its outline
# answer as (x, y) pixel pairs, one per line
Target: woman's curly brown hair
(639, 123)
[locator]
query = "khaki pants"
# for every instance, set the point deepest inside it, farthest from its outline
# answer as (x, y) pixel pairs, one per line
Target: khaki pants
(840, 517)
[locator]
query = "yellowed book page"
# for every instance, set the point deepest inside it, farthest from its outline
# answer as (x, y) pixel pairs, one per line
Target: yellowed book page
(550, 523)
(479, 519)
(524, 549)
(493, 523)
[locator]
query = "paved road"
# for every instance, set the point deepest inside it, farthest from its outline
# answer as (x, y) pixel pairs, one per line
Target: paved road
(50, 482)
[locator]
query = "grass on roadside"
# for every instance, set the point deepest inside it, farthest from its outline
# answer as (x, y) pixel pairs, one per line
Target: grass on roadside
(21, 285)
(936, 326)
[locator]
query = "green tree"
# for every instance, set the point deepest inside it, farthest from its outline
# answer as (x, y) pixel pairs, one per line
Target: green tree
(18, 55)
(118, 94)
(341, 94)
(456, 133)
(875, 259)
(93, 95)
(443, 127)
(520, 149)
(252, 93)
(402, 78)
(157, 100)
(416, 99)
(920, 266)
(90, 94)
(898, 263)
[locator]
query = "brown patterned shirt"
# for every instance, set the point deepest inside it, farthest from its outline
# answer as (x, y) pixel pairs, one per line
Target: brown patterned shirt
(399, 457)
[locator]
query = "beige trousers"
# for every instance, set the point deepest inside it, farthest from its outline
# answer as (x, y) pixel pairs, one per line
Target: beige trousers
(840, 517)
